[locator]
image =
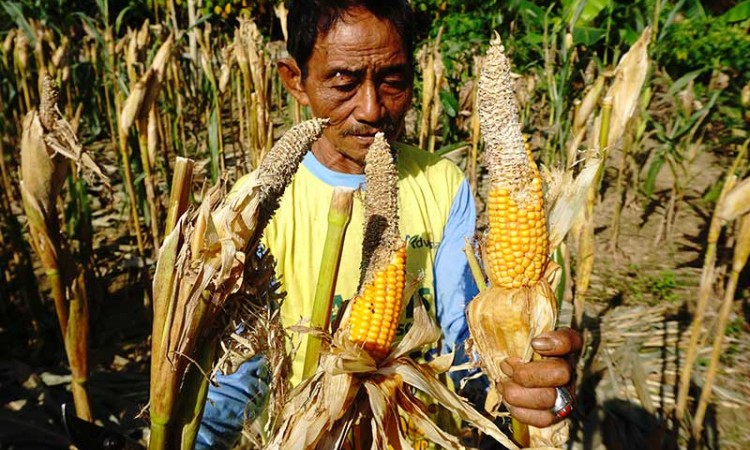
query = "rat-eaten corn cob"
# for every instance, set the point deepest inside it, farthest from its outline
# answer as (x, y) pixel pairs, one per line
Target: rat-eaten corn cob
(519, 304)
(376, 309)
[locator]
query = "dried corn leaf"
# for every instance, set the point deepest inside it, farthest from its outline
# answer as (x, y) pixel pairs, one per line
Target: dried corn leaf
(625, 90)
(736, 203)
(565, 201)
(146, 90)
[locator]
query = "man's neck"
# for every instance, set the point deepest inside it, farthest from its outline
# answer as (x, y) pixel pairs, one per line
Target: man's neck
(334, 160)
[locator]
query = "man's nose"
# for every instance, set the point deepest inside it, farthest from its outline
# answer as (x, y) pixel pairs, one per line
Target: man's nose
(369, 108)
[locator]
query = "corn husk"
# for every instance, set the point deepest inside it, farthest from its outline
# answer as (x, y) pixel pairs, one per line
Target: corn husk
(146, 90)
(736, 203)
(625, 90)
(350, 390)
(202, 263)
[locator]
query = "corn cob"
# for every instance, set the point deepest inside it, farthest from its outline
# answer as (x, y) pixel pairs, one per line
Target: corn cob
(516, 247)
(520, 303)
(377, 307)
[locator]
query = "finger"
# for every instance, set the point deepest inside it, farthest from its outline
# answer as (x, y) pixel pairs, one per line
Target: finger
(534, 417)
(530, 398)
(550, 372)
(561, 342)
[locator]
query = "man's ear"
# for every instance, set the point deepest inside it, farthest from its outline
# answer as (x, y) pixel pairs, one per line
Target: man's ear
(291, 76)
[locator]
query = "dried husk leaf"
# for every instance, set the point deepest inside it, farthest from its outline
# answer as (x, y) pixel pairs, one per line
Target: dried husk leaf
(282, 13)
(422, 421)
(630, 75)
(146, 90)
(503, 322)
(564, 203)
(418, 377)
(47, 143)
(315, 406)
(225, 72)
(42, 171)
(424, 332)
(373, 395)
(736, 203)
(588, 104)
(208, 264)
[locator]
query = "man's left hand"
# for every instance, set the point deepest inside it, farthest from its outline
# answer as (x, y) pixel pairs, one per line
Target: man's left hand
(529, 393)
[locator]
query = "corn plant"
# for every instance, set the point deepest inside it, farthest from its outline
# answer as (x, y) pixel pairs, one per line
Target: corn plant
(47, 141)
(618, 107)
(680, 141)
(201, 263)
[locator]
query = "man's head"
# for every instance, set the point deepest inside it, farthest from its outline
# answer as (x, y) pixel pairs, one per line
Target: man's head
(353, 64)
(309, 18)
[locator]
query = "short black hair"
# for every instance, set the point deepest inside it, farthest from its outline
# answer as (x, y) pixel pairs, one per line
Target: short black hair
(309, 18)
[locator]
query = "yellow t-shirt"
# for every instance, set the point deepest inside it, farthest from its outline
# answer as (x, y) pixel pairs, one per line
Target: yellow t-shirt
(296, 235)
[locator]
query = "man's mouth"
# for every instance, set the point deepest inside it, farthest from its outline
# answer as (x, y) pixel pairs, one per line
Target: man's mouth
(365, 138)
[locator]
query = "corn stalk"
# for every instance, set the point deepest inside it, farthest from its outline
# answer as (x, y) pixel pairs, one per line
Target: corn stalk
(708, 278)
(618, 107)
(338, 220)
(741, 253)
(47, 143)
(140, 108)
(201, 263)
(431, 63)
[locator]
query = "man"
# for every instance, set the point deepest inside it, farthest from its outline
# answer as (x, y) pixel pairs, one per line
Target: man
(352, 63)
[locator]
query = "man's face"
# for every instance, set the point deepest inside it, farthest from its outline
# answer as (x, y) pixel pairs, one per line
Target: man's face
(360, 77)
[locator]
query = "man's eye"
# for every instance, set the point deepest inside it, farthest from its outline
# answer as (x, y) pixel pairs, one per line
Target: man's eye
(395, 84)
(344, 82)
(345, 87)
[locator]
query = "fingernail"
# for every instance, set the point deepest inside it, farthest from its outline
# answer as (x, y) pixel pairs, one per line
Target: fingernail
(542, 344)
(506, 368)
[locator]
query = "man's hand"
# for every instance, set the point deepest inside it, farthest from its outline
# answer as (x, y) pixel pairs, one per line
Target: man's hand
(530, 393)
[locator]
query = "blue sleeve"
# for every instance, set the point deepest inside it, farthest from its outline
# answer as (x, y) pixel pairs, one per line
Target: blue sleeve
(454, 284)
(455, 287)
(236, 397)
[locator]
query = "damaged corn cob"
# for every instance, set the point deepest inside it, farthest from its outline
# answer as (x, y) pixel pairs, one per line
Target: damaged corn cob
(376, 309)
(201, 264)
(519, 304)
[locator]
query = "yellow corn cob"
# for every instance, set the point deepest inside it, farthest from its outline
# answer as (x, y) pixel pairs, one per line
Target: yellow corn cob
(377, 307)
(375, 313)
(516, 246)
(520, 304)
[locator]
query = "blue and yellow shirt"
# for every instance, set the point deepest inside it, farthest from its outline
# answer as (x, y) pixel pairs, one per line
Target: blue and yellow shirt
(437, 215)
(436, 212)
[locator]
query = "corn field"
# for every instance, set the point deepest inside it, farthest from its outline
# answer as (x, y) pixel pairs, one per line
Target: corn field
(138, 135)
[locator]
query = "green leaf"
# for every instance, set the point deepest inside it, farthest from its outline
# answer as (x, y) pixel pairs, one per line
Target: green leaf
(712, 196)
(120, 17)
(533, 38)
(587, 35)
(15, 11)
(213, 142)
(739, 13)
(587, 10)
(450, 103)
(450, 149)
(653, 171)
(683, 81)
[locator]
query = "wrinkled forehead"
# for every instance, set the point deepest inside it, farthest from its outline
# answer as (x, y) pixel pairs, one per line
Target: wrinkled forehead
(358, 25)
